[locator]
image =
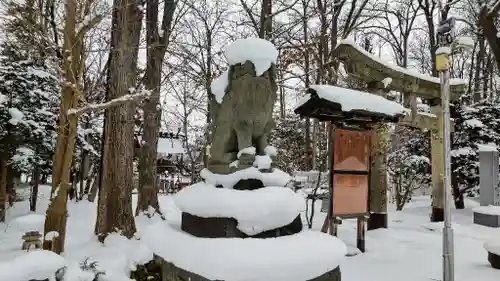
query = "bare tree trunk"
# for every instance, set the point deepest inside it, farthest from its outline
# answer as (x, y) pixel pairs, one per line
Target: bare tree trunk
(118, 152)
(307, 68)
(477, 71)
(487, 68)
(94, 188)
(100, 224)
(266, 20)
(148, 190)
(34, 188)
(11, 192)
(57, 210)
(487, 18)
(84, 164)
(281, 88)
(3, 189)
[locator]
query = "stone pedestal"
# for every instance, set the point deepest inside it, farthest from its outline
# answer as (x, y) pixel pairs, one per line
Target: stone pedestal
(490, 220)
(489, 180)
(227, 228)
(172, 273)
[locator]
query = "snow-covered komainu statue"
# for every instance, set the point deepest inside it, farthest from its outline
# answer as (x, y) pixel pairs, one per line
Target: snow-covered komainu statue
(243, 115)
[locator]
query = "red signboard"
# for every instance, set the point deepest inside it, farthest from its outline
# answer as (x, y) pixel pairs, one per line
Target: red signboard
(351, 150)
(351, 165)
(350, 195)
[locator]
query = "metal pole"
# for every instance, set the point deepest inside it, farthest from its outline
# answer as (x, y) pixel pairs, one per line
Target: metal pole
(445, 38)
(448, 251)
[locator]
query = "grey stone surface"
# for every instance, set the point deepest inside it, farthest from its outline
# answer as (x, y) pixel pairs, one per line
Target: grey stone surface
(489, 180)
(487, 219)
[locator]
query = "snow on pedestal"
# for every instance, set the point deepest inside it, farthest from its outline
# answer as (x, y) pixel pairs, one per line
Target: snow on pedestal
(289, 254)
(298, 257)
(256, 211)
(488, 210)
(274, 178)
(487, 216)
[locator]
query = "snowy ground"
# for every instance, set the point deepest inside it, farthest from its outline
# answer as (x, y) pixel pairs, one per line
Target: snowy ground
(409, 250)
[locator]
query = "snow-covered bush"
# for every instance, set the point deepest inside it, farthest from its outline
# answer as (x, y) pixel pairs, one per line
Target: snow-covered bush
(408, 165)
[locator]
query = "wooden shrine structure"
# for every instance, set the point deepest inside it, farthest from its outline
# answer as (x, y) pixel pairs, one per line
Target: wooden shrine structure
(350, 131)
(365, 67)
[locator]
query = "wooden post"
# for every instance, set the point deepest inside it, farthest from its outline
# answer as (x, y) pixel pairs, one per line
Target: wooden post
(378, 174)
(329, 225)
(360, 241)
(437, 136)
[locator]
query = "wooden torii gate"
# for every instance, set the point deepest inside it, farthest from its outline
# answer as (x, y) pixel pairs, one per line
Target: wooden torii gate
(382, 77)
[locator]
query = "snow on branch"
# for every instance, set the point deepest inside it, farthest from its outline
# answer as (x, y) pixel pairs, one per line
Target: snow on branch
(493, 7)
(133, 97)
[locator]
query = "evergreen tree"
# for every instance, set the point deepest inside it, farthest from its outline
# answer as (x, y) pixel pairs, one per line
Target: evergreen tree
(474, 126)
(27, 116)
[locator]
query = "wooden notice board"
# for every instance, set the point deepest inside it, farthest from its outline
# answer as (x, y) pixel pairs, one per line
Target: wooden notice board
(350, 172)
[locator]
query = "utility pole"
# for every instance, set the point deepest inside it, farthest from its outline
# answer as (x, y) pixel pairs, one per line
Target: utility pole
(445, 39)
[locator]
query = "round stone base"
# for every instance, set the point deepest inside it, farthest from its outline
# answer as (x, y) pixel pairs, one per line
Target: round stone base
(170, 272)
(227, 228)
(494, 260)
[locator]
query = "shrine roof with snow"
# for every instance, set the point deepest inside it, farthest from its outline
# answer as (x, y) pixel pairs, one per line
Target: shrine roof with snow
(332, 103)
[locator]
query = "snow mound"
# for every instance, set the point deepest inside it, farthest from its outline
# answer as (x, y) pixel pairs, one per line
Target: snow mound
(493, 245)
(37, 265)
(274, 178)
(299, 257)
(29, 222)
(351, 99)
(488, 210)
(260, 52)
(255, 210)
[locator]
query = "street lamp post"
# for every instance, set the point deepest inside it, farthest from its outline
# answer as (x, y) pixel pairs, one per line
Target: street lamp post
(445, 40)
